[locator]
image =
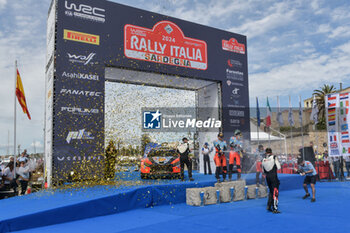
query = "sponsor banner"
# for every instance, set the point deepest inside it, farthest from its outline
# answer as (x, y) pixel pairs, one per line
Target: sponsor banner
(81, 37)
(344, 121)
(234, 64)
(80, 111)
(332, 105)
(83, 58)
(75, 92)
(81, 76)
(234, 75)
(232, 45)
(84, 11)
(165, 43)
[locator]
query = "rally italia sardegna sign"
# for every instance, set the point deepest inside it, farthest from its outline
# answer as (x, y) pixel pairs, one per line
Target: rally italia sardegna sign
(86, 36)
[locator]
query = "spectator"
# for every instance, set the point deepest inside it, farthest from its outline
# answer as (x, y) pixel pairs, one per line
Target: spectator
(8, 179)
(259, 156)
(347, 165)
(23, 176)
(25, 153)
(23, 158)
(336, 167)
(325, 156)
(206, 161)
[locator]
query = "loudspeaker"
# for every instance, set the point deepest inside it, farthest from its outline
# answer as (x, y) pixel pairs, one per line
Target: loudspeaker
(309, 154)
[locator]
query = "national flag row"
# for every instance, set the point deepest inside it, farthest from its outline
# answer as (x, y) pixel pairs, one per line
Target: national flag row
(279, 118)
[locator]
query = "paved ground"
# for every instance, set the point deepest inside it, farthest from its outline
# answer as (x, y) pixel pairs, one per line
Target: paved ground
(330, 213)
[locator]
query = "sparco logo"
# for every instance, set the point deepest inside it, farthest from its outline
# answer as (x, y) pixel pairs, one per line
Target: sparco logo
(80, 111)
(83, 11)
(81, 58)
(94, 77)
(79, 92)
(79, 135)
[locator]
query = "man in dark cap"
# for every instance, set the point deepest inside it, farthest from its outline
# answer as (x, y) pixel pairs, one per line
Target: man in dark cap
(184, 150)
(270, 166)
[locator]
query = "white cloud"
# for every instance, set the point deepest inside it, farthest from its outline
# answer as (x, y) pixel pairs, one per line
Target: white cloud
(304, 74)
(341, 31)
(278, 15)
(3, 4)
(37, 145)
(324, 28)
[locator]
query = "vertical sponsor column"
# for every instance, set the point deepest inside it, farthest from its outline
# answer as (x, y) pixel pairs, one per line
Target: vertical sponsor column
(78, 144)
(49, 79)
(235, 88)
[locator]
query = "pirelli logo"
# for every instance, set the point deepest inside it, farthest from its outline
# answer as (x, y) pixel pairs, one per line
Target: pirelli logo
(81, 37)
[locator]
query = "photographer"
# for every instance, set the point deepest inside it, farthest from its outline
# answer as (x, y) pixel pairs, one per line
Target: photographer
(270, 166)
(308, 170)
(184, 150)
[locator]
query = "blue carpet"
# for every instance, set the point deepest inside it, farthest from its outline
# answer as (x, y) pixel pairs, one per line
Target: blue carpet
(49, 208)
(328, 214)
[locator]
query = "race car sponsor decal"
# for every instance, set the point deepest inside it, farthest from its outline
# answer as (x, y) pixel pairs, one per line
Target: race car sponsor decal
(165, 43)
(232, 45)
(81, 37)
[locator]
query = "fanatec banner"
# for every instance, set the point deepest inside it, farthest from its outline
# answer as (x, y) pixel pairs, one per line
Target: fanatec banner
(92, 35)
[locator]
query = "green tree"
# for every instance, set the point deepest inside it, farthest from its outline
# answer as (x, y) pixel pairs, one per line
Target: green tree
(320, 96)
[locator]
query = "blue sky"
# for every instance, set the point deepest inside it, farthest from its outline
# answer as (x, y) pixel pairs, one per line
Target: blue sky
(294, 47)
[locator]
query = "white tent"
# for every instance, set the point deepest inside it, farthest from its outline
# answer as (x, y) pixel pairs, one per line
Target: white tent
(263, 136)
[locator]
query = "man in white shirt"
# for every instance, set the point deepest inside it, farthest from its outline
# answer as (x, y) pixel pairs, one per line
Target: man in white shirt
(7, 178)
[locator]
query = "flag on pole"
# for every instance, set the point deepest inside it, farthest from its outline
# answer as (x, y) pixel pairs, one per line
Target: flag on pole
(290, 114)
(314, 113)
(21, 96)
(279, 117)
(300, 112)
(257, 111)
(268, 113)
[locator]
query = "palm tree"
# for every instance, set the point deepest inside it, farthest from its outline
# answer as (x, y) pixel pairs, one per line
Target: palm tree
(321, 105)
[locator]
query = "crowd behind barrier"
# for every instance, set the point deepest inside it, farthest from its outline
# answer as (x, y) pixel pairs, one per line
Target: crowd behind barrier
(15, 177)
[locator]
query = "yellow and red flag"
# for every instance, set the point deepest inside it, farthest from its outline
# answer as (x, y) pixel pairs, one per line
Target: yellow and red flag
(21, 96)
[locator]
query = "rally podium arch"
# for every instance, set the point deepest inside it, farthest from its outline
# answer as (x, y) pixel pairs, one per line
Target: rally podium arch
(87, 40)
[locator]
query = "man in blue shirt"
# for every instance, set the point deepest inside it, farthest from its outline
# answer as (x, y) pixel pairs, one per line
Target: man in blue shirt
(308, 170)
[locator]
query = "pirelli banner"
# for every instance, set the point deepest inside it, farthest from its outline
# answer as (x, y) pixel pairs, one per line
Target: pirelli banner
(91, 35)
(338, 120)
